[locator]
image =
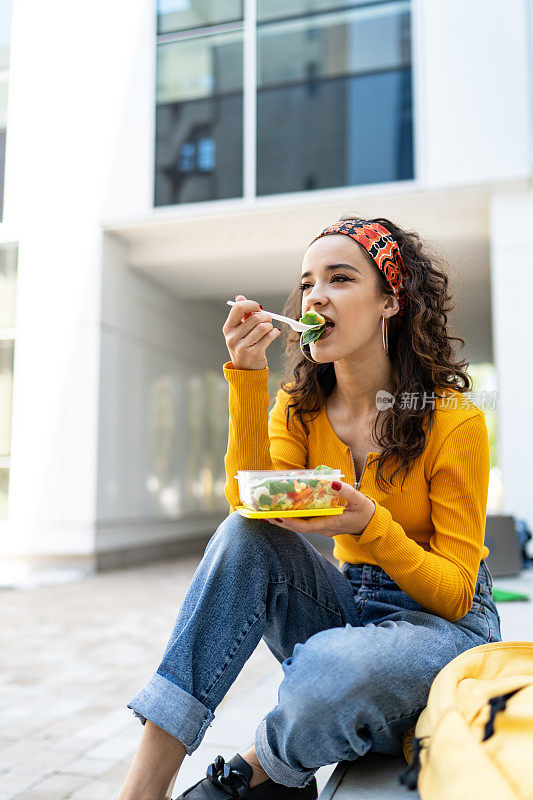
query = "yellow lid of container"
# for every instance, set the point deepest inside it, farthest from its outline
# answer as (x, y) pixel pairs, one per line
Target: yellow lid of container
(301, 512)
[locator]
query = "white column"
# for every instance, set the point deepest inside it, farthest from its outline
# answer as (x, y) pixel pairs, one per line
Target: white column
(511, 231)
(250, 100)
(80, 120)
(461, 135)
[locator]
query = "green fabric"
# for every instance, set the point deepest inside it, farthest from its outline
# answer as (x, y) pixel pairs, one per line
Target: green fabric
(501, 596)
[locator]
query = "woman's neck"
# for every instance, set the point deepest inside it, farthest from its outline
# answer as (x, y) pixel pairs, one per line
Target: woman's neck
(357, 382)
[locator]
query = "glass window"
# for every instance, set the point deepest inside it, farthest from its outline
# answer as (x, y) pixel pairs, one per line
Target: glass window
(5, 40)
(4, 76)
(6, 395)
(199, 119)
(334, 100)
(196, 68)
(8, 277)
(333, 45)
(8, 284)
(207, 439)
(2, 171)
(166, 410)
(280, 9)
(6, 10)
(4, 488)
(178, 15)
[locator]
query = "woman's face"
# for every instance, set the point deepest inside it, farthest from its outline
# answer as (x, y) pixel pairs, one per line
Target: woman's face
(338, 282)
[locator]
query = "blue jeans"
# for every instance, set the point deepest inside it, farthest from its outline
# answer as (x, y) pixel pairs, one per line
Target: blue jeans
(358, 654)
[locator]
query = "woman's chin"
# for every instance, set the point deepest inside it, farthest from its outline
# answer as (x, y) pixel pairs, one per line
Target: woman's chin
(322, 352)
(321, 346)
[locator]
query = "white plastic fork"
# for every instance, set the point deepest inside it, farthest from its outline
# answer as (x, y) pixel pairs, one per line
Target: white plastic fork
(299, 327)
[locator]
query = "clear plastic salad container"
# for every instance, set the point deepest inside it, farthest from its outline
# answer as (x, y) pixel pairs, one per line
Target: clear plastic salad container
(277, 490)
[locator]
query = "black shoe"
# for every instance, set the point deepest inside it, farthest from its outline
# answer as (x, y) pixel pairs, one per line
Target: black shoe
(231, 781)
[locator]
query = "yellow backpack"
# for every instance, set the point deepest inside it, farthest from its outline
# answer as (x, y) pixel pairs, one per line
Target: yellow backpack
(474, 738)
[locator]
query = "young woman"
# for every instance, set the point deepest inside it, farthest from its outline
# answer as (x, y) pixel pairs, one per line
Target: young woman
(382, 397)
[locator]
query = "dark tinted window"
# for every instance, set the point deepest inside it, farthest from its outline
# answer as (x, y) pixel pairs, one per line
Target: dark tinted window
(199, 119)
(334, 99)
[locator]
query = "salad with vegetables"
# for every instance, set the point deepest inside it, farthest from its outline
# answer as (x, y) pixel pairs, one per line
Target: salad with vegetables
(292, 491)
(312, 318)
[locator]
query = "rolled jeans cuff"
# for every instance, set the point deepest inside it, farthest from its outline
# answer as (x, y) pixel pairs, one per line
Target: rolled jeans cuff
(275, 768)
(173, 709)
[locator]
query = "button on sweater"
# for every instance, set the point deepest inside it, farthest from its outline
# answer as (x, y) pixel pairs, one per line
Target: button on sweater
(429, 535)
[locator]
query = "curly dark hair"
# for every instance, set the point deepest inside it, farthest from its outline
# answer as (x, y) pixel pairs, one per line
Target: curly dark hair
(419, 346)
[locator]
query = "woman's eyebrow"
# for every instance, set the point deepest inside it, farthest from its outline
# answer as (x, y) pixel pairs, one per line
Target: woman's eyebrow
(330, 267)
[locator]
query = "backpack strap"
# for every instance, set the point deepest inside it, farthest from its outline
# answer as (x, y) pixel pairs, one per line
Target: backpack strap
(409, 778)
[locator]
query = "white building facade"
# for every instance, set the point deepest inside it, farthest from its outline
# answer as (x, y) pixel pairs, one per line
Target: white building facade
(156, 164)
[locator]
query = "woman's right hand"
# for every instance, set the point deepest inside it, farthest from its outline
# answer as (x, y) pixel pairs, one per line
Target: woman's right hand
(248, 331)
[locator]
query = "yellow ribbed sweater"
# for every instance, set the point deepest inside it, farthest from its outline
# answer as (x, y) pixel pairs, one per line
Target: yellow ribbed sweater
(429, 538)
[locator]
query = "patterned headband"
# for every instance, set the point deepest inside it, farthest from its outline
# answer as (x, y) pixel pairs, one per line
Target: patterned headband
(382, 247)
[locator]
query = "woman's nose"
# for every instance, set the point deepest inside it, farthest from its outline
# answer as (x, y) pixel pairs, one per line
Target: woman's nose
(316, 295)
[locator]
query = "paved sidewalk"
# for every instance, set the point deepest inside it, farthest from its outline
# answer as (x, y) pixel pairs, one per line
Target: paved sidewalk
(74, 654)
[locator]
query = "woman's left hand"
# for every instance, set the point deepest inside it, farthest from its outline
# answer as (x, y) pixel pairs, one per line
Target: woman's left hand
(358, 512)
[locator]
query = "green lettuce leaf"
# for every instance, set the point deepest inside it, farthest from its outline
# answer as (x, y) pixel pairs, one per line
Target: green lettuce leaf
(313, 318)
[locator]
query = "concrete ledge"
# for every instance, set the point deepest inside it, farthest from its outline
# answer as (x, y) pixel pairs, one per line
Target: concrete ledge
(375, 776)
(14, 570)
(151, 553)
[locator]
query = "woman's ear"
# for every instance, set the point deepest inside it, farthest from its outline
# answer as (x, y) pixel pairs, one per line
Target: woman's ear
(392, 305)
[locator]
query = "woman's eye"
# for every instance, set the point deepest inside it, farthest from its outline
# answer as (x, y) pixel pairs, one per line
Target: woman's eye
(304, 286)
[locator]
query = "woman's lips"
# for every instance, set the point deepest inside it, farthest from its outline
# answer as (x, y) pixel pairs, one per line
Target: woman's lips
(329, 330)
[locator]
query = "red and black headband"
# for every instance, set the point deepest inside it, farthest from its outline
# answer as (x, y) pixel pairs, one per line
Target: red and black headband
(383, 249)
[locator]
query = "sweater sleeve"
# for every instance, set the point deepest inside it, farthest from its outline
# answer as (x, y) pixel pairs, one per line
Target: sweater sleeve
(442, 580)
(257, 439)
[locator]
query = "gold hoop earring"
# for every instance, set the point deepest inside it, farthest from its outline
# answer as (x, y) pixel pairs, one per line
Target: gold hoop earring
(385, 335)
(306, 356)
